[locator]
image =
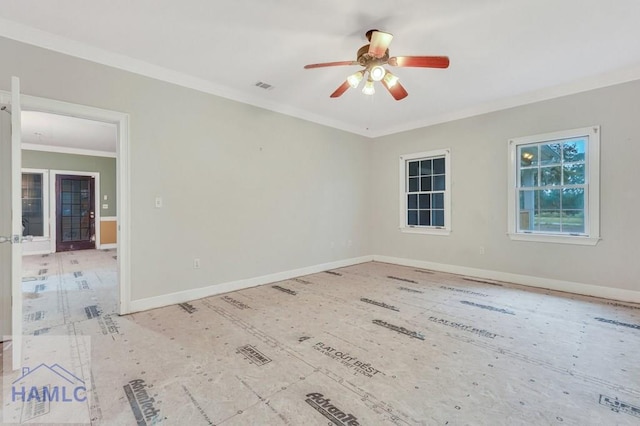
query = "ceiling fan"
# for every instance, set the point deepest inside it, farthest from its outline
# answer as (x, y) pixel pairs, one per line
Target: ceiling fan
(372, 57)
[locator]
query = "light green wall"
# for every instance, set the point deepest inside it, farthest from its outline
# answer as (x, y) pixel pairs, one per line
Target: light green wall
(248, 191)
(479, 161)
(79, 163)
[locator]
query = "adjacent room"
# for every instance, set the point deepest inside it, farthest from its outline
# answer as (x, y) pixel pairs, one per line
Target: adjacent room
(279, 213)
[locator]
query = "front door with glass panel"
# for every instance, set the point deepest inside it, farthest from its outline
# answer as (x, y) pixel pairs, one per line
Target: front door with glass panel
(75, 215)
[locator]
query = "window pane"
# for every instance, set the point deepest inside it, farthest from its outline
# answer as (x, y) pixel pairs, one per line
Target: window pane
(413, 184)
(525, 218)
(438, 183)
(550, 153)
(573, 150)
(412, 218)
(32, 205)
(412, 201)
(573, 221)
(424, 201)
(425, 184)
(528, 206)
(529, 200)
(573, 198)
(550, 176)
(425, 167)
(425, 217)
(529, 155)
(437, 201)
(547, 221)
(549, 199)
(528, 177)
(413, 168)
(438, 218)
(573, 174)
(438, 166)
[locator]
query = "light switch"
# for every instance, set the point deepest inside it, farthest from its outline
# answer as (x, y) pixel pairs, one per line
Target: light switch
(158, 202)
(105, 198)
(105, 206)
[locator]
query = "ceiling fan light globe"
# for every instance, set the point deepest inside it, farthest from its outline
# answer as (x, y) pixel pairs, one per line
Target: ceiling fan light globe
(390, 79)
(355, 79)
(368, 88)
(377, 73)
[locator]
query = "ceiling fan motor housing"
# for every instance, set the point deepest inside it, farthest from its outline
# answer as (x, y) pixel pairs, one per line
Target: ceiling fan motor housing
(366, 60)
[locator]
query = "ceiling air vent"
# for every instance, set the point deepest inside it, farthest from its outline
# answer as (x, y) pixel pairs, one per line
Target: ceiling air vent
(263, 85)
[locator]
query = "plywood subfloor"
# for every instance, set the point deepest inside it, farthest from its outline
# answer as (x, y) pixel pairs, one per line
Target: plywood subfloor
(370, 344)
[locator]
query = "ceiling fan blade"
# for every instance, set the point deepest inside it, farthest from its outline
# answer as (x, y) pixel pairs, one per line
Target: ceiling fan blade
(420, 61)
(340, 90)
(397, 90)
(330, 64)
(379, 43)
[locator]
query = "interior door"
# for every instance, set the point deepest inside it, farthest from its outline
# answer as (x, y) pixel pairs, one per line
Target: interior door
(75, 215)
(5, 221)
(11, 225)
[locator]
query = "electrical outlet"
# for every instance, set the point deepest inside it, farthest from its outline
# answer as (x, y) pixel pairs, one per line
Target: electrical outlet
(158, 202)
(196, 263)
(481, 249)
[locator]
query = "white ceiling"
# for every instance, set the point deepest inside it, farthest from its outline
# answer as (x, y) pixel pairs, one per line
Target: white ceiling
(503, 52)
(60, 131)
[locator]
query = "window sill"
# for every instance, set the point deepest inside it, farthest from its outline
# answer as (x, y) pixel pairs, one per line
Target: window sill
(428, 231)
(560, 239)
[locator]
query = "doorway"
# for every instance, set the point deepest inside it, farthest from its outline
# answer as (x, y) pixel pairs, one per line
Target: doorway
(80, 224)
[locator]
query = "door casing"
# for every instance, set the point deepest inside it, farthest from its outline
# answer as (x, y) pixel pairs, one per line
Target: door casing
(123, 175)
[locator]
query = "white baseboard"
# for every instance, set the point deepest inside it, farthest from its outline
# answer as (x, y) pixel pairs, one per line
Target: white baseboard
(528, 280)
(107, 246)
(199, 293)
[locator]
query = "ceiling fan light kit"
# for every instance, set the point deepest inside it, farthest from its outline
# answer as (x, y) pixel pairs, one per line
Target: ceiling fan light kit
(372, 57)
(377, 73)
(368, 88)
(390, 79)
(355, 79)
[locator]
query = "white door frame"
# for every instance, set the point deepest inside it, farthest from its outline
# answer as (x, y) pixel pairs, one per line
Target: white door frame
(14, 99)
(53, 203)
(16, 209)
(121, 120)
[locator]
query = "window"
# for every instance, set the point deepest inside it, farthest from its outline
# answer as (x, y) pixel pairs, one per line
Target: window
(554, 187)
(35, 203)
(425, 192)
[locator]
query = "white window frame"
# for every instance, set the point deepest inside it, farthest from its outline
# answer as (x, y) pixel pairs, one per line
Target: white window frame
(46, 205)
(592, 188)
(433, 230)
